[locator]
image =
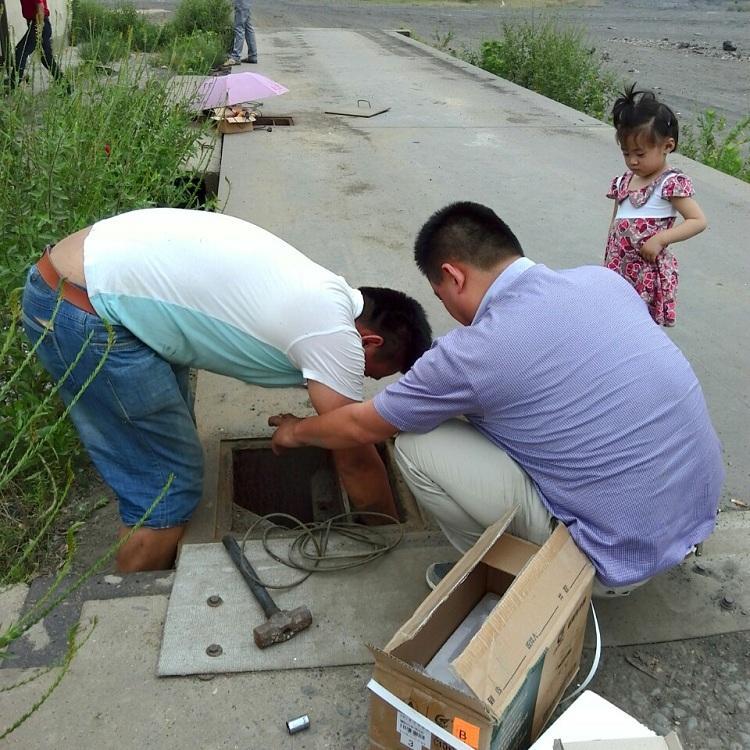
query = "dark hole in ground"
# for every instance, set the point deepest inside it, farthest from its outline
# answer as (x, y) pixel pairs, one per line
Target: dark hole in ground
(198, 189)
(302, 483)
(264, 121)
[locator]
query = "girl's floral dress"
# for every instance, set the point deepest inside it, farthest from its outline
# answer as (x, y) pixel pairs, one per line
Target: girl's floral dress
(645, 211)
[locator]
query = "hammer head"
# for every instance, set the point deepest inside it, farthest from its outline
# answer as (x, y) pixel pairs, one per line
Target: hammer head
(282, 626)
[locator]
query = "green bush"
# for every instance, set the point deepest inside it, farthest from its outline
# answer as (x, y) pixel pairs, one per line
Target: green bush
(105, 47)
(88, 18)
(189, 41)
(551, 61)
(124, 17)
(65, 162)
(151, 37)
(197, 53)
(204, 15)
(717, 145)
(92, 22)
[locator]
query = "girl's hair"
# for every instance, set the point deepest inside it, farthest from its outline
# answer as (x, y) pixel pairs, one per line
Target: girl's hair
(640, 112)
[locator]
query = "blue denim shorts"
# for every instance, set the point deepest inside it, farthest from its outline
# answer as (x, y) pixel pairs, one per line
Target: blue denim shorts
(135, 418)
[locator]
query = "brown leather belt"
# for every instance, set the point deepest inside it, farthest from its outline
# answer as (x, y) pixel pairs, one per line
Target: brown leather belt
(72, 293)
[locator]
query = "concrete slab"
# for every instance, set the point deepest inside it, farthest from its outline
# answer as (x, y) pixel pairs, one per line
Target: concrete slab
(11, 603)
(46, 643)
(111, 697)
(685, 602)
(350, 608)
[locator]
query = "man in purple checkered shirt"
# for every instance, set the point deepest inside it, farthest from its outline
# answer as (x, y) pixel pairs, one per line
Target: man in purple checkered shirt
(558, 394)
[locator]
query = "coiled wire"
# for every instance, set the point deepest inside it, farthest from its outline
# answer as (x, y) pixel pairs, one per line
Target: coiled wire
(309, 551)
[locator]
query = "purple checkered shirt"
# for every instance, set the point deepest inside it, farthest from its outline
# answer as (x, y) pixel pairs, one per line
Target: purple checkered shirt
(567, 373)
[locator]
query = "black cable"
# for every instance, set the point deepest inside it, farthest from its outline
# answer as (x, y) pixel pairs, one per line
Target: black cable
(308, 550)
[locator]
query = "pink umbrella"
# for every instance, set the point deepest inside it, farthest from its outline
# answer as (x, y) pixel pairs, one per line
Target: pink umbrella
(236, 88)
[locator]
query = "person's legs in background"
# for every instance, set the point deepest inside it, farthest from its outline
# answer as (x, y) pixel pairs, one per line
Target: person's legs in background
(241, 19)
(48, 59)
(252, 46)
(26, 45)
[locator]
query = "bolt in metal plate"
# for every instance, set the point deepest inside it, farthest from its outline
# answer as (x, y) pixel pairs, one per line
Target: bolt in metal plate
(214, 600)
(214, 650)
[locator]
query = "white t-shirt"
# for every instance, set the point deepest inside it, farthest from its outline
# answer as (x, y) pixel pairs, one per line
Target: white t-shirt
(214, 292)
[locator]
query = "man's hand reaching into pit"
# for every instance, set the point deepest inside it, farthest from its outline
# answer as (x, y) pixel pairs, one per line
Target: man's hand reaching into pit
(350, 429)
(284, 438)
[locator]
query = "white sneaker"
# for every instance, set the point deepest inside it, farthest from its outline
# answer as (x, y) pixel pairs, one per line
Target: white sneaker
(436, 572)
(231, 61)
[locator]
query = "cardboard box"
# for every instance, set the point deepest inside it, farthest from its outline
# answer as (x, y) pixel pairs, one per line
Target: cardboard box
(233, 119)
(517, 665)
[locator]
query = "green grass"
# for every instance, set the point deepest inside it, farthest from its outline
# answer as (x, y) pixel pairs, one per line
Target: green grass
(194, 41)
(552, 61)
(197, 53)
(714, 143)
(205, 15)
(66, 160)
(105, 47)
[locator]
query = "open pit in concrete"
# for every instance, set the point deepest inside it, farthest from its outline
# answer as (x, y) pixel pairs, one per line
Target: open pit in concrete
(253, 482)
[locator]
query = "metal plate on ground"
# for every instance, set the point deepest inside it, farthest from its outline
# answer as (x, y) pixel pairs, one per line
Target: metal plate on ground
(703, 596)
(349, 609)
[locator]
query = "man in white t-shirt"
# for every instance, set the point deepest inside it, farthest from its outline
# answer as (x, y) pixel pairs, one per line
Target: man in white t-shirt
(162, 290)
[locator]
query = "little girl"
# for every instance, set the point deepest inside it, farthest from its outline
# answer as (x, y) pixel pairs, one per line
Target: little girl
(648, 198)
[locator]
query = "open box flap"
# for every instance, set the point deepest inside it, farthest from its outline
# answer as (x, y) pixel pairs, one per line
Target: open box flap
(455, 576)
(542, 597)
(395, 666)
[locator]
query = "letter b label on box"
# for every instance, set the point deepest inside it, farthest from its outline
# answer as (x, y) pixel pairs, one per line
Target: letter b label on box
(468, 733)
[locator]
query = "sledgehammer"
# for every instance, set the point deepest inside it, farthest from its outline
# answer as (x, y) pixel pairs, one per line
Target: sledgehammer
(282, 624)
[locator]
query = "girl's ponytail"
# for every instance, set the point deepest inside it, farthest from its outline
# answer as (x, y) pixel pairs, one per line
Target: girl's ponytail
(640, 111)
(625, 106)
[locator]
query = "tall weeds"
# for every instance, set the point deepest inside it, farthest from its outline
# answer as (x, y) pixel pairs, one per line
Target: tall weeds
(552, 61)
(718, 145)
(195, 40)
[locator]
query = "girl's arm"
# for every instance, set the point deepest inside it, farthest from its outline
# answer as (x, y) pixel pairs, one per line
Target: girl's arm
(613, 193)
(694, 223)
(614, 213)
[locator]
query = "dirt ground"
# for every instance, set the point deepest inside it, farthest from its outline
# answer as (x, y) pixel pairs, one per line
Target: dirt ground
(674, 47)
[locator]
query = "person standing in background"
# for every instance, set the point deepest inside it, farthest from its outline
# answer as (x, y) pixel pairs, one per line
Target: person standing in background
(243, 32)
(36, 14)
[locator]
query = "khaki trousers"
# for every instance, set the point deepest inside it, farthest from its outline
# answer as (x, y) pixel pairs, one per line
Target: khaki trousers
(465, 482)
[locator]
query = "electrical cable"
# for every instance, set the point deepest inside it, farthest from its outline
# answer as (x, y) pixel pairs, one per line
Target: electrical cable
(309, 551)
(590, 676)
(594, 664)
